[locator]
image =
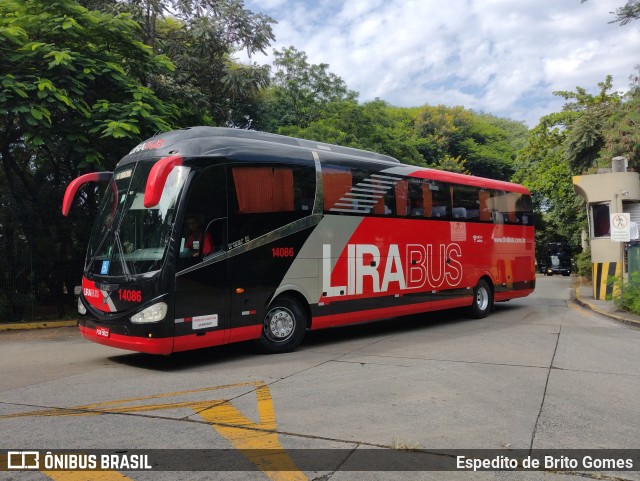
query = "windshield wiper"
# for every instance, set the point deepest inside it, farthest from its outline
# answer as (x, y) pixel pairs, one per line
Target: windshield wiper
(125, 267)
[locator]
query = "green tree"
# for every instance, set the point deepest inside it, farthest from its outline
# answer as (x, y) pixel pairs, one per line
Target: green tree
(487, 148)
(451, 164)
(201, 38)
(627, 13)
(616, 128)
(299, 91)
(585, 139)
(373, 126)
(543, 168)
(622, 133)
(73, 98)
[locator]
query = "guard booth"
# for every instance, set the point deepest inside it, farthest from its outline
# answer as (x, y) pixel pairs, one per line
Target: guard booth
(609, 192)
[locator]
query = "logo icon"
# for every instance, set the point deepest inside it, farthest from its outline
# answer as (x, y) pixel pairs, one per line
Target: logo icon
(23, 460)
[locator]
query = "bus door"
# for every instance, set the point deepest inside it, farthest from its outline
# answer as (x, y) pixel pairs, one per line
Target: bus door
(245, 295)
(202, 294)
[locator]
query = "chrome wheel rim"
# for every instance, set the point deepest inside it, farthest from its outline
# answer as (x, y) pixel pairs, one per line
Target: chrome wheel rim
(279, 324)
(482, 298)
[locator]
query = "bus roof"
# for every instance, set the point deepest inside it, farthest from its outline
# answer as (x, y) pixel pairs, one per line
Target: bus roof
(194, 141)
(223, 141)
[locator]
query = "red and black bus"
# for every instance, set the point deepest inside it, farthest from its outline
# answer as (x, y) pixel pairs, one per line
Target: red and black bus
(207, 236)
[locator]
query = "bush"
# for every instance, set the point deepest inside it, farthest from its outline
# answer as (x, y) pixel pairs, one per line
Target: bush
(630, 294)
(583, 264)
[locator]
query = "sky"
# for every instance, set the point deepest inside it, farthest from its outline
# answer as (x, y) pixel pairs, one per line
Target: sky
(504, 57)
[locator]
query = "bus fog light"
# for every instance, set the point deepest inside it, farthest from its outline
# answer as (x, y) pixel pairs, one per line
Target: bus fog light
(81, 309)
(154, 313)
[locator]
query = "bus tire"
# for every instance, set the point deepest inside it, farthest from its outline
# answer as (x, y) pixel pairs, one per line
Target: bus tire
(482, 300)
(283, 327)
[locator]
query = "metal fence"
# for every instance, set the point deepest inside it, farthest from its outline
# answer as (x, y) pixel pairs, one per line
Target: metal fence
(34, 290)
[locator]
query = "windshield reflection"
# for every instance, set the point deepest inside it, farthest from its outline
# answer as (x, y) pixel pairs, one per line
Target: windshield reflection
(128, 239)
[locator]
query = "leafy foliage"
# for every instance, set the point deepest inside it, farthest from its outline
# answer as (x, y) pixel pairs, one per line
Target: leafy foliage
(627, 13)
(583, 263)
(70, 79)
(73, 97)
(201, 37)
(485, 143)
(299, 92)
(373, 126)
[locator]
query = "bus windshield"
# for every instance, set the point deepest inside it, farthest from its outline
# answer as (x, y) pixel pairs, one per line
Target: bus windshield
(129, 239)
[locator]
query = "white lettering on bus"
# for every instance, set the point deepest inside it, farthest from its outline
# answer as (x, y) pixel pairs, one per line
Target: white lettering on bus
(422, 267)
(95, 293)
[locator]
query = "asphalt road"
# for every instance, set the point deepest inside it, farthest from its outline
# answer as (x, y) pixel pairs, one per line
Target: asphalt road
(539, 373)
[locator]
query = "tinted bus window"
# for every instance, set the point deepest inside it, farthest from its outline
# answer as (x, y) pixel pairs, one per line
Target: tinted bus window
(401, 198)
(264, 198)
(484, 203)
(415, 198)
(439, 198)
(499, 208)
(204, 226)
(524, 209)
(336, 182)
(466, 202)
(357, 191)
(420, 198)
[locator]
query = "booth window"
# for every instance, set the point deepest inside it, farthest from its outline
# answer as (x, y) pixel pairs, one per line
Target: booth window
(600, 219)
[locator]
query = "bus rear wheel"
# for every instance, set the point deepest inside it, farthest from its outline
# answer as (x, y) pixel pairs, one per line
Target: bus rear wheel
(283, 327)
(482, 300)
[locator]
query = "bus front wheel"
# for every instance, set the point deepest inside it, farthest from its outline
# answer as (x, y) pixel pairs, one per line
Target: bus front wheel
(482, 300)
(283, 327)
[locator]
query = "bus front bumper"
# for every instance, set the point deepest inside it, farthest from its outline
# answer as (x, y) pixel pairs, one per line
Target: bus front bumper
(102, 335)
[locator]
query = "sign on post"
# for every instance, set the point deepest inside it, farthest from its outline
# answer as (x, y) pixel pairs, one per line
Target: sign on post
(621, 227)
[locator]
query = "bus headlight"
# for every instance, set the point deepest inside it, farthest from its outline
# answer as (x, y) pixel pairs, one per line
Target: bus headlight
(81, 309)
(154, 313)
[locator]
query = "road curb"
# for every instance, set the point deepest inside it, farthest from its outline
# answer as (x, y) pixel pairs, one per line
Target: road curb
(588, 305)
(20, 326)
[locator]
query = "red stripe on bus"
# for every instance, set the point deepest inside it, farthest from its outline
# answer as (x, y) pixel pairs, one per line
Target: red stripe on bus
(322, 322)
(195, 341)
(161, 345)
(507, 295)
(167, 345)
(216, 338)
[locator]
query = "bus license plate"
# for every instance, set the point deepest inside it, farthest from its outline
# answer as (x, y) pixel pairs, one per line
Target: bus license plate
(102, 331)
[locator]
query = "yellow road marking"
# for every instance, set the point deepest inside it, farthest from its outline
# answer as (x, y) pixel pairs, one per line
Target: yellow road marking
(275, 464)
(244, 434)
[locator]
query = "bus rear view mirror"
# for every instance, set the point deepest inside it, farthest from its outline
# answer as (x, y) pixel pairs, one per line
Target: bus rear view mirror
(76, 183)
(157, 178)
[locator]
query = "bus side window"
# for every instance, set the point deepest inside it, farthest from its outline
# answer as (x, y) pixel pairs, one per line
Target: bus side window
(438, 199)
(263, 198)
(401, 197)
(355, 190)
(466, 203)
(525, 210)
(207, 201)
(484, 198)
(336, 181)
(512, 201)
(416, 199)
(498, 206)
